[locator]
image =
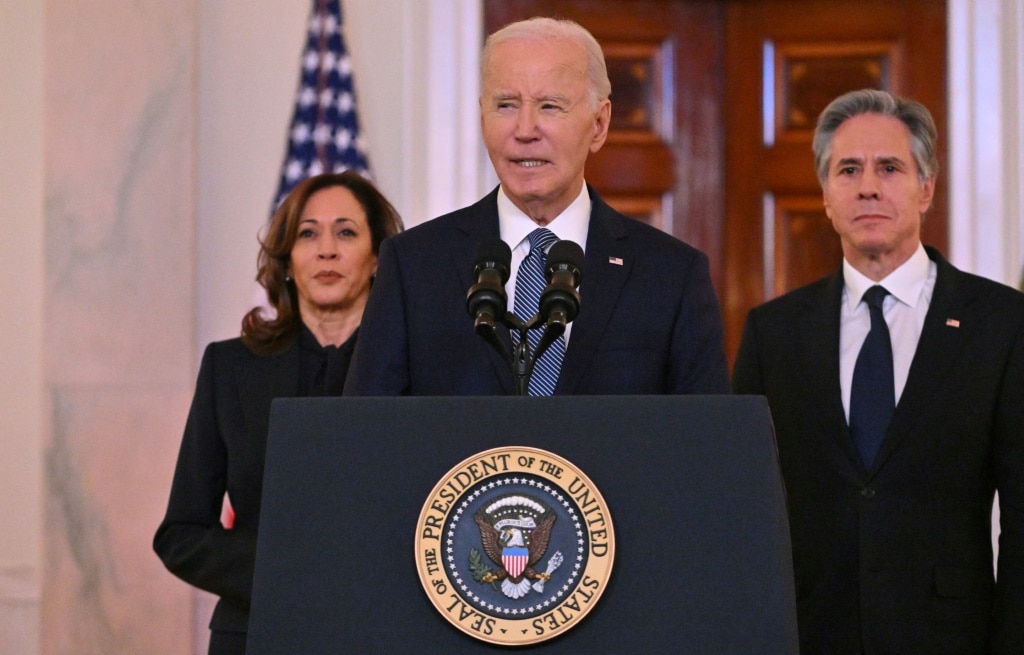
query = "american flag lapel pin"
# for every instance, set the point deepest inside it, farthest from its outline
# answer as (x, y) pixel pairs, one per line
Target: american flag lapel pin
(953, 322)
(615, 260)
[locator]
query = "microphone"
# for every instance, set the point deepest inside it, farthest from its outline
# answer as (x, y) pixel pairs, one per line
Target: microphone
(560, 301)
(486, 300)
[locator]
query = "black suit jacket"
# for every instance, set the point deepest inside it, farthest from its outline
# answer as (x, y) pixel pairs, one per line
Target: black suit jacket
(898, 559)
(223, 449)
(649, 320)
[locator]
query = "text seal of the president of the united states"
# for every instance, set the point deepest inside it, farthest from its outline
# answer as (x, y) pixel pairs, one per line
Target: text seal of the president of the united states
(514, 546)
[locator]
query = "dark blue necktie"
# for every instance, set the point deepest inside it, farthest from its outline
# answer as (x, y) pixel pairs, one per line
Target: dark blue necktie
(872, 394)
(530, 282)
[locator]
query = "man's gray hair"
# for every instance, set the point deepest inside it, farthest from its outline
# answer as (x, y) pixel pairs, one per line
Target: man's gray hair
(541, 28)
(913, 114)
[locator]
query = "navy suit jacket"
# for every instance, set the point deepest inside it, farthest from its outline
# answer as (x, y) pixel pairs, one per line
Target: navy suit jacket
(649, 320)
(898, 558)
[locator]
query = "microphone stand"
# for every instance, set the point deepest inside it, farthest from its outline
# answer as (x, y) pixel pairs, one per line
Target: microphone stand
(521, 359)
(522, 362)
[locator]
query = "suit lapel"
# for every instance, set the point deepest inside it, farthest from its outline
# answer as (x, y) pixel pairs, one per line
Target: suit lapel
(608, 261)
(936, 353)
(823, 372)
(476, 224)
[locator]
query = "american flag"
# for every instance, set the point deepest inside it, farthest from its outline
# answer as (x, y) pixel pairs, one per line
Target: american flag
(324, 134)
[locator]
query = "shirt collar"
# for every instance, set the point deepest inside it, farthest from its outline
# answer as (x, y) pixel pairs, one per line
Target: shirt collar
(572, 224)
(906, 283)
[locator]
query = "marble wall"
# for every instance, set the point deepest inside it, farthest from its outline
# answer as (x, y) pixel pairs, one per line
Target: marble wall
(120, 187)
(22, 404)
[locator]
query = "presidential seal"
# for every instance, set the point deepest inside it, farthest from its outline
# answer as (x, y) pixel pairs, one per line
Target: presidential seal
(514, 546)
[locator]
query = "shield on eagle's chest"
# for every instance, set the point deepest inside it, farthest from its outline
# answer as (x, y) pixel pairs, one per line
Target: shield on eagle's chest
(514, 560)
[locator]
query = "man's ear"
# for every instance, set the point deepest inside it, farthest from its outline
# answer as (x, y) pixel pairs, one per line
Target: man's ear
(602, 120)
(927, 193)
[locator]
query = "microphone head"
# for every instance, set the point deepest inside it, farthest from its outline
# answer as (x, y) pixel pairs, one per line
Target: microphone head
(565, 256)
(486, 299)
(493, 253)
(560, 302)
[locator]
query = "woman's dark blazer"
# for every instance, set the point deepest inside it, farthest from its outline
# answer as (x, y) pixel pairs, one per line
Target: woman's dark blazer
(223, 450)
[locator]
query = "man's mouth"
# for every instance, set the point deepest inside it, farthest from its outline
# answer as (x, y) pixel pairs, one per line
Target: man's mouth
(870, 216)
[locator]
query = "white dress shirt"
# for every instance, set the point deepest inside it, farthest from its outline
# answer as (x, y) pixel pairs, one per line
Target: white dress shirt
(910, 290)
(515, 227)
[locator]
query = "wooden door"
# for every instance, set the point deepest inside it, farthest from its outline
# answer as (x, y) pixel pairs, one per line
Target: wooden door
(713, 106)
(785, 61)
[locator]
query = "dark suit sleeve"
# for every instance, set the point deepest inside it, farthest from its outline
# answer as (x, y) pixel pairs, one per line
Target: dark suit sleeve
(1008, 632)
(699, 365)
(380, 364)
(746, 372)
(191, 540)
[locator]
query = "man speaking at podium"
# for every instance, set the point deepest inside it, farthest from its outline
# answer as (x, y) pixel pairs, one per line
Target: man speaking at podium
(648, 319)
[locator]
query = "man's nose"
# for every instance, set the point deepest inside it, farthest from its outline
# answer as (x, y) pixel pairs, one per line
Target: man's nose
(869, 187)
(526, 124)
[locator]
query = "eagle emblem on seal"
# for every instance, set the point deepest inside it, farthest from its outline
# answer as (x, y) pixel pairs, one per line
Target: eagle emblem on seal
(514, 532)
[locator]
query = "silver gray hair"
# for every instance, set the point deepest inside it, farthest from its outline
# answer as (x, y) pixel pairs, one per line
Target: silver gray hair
(913, 114)
(541, 28)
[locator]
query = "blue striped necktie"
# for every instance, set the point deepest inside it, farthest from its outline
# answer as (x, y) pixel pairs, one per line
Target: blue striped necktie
(530, 282)
(872, 393)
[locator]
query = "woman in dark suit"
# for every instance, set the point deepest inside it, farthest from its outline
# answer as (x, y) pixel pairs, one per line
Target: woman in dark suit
(316, 262)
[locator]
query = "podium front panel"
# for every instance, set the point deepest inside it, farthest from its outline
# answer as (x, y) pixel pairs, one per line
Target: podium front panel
(702, 561)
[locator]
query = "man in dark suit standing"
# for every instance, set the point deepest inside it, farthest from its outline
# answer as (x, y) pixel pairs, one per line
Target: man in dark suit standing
(649, 320)
(897, 391)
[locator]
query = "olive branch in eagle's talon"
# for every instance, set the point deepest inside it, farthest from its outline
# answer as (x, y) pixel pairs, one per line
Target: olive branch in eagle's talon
(480, 572)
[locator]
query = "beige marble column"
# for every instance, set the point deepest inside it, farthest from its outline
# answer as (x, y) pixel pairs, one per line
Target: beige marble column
(22, 399)
(120, 185)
